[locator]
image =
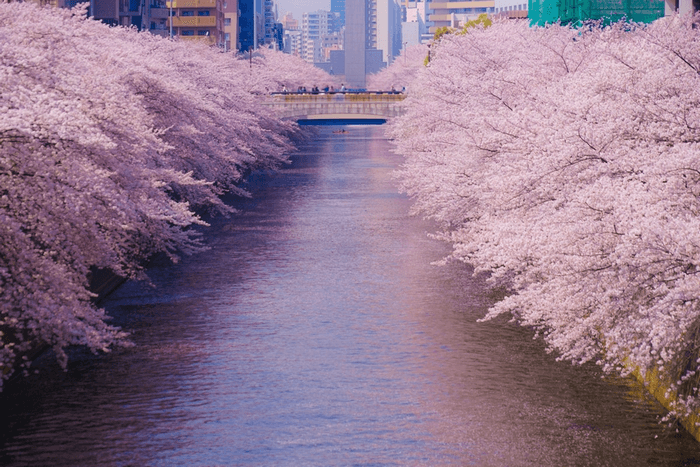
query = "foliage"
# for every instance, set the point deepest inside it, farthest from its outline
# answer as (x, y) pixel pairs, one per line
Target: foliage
(565, 163)
(110, 140)
(483, 21)
(276, 70)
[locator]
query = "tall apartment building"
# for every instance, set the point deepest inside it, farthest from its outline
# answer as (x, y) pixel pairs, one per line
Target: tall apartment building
(329, 43)
(292, 35)
(246, 25)
(197, 20)
(383, 28)
(229, 40)
(415, 25)
(289, 23)
(313, 26)
(292, 43)
(203, 20)
(269, 23)
(338, 6)
(149, 15)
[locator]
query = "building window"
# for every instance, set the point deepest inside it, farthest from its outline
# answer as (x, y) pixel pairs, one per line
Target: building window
(202, 32)
(203, 13)
(227, 36)
(227, 21)
(187, 13)
(187, 32)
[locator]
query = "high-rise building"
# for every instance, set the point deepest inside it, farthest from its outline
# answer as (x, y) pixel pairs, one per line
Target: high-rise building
(246, 25)
(292, 35)
(229, 41)
(338, 6)
(415, 25)
(270, 19)
(372, 37)
(146, 16)
(197, 19)
(292, 43)
(289, 23)
(386, 29)
(314, 25)
(355, 43)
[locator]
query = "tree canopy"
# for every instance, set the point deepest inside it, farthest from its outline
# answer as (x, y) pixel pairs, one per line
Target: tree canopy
(564, 163)
(111, 141)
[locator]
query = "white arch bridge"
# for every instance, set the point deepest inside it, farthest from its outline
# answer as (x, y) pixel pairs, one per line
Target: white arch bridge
(350, 107)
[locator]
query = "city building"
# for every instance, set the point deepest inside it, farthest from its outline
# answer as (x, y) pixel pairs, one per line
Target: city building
(329, 43)
(197, 20)
(507, 7)
(384, 28)
(246, 25)
(454, 14)
(363, 34)
(289, 23)
(229, 41)
(542, 12)
(338, 6)
(314, 25)
(415, 27)
(146, 16)
(292, 43)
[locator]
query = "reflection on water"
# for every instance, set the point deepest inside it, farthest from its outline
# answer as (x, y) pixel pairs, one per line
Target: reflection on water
(316, 332)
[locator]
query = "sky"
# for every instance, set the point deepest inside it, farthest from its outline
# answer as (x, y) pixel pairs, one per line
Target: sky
(297, 7)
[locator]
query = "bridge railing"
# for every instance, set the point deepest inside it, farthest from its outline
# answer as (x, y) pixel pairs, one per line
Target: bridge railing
(351, 96)
(349, 103)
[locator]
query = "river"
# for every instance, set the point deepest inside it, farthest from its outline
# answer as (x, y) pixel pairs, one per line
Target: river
(315, 331)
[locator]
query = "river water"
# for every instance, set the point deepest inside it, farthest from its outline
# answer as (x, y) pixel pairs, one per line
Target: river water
(316, 332)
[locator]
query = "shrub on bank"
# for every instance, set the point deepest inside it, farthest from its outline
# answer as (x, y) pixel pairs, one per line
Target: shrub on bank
(564, 162)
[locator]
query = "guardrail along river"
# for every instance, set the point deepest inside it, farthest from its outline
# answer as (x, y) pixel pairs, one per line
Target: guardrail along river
(316, 332)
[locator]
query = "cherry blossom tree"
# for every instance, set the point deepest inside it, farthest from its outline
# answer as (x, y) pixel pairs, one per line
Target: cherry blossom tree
(272, 71)
(111, 142)
(564, 163)
(402, 72)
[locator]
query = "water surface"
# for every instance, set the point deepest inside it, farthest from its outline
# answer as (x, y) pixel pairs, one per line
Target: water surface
(316, 332)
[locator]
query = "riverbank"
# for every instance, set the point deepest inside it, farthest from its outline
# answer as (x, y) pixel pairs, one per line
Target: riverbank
(662, 390)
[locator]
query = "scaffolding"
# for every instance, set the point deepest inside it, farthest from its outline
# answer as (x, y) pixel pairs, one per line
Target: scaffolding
(543, 12)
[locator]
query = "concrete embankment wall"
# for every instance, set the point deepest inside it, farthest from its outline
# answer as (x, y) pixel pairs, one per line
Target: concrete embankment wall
(659, 388)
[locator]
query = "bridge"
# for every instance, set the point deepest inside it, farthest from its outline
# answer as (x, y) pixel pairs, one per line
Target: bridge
(335, 107)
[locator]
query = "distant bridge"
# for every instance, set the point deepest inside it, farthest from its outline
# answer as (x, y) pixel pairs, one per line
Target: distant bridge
(353, 107)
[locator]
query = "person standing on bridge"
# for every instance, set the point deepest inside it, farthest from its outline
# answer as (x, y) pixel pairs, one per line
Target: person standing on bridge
(342, 87)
